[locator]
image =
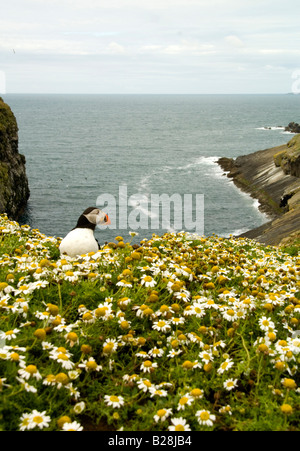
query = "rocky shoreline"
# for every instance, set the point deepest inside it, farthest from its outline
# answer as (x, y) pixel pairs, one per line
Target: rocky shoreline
(266, 176)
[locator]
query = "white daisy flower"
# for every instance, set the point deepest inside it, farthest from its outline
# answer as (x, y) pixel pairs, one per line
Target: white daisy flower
(179, 424)
(114, 401)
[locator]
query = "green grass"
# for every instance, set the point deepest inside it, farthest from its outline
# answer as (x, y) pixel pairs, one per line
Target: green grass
(136, 336)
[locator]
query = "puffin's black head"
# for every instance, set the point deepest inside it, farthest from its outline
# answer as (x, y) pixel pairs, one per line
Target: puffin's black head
(91, 217)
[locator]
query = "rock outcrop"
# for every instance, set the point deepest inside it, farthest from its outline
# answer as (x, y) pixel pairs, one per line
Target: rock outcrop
(289, 158)
(267, 176)
(293, 127)
(14, 189)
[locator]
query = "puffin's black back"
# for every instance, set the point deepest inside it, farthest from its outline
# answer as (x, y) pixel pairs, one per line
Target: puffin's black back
(83, 222)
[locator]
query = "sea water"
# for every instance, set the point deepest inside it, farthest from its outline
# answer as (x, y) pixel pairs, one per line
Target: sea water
(80, 147)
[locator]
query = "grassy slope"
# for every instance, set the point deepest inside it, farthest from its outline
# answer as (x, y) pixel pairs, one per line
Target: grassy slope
(212, 340)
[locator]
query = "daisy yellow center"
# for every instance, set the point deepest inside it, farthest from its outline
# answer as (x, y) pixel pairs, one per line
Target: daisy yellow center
(187, 364)
(230, 312)
(31, 369)
(108, 348)
(72, 336)
(62, 378)
(37, 419)
(196, 392)
(114, 399)
(289, 383)
(62, 357)
(161, 323)
(87, 317)
(101, 311)
(23, 287)
(179, 427)
(15, 356)
(147, 363)
(161, 412)
(183, 400)
(92, 365)
(282, 343)
(148, 279)
(204, 416)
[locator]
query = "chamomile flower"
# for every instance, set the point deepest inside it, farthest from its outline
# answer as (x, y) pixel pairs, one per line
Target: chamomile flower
(39, 419)
(161, 325)
(196, 393)
(9, 335)
(230, 314)
(226, 410)
(177, 320)
(206, 356)
(205, 418)
(148, 281)
(90, 365)
(266, 324)
(30, 371)
(230, 384)
(65, 361)
(162, 415)
(156, 391)
(156, 352)
(124, 283)
(147, 366)
(74, 426)
(225, 366)
(178, 425)
(184, 401)
(114, 401)
(25, 422)
(196, 309)
(174, 353)
(142, 354)
(109, 346)
(183, 295)
(145, 385)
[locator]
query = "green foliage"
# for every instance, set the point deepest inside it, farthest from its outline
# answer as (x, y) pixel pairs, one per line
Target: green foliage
(174, 333)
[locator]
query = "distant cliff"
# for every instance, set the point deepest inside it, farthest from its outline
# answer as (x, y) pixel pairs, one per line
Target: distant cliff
(14, 189)
(272, 177)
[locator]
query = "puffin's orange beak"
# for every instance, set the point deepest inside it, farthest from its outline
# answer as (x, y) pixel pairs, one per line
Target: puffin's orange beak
(107, 220)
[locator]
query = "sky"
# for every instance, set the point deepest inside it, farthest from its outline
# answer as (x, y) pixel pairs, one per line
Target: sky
(150, 47)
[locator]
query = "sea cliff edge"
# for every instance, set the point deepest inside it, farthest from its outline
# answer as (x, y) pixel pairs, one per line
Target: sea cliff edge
(267, 176)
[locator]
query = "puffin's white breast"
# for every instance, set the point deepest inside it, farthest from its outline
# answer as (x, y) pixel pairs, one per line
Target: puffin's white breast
(79, 241)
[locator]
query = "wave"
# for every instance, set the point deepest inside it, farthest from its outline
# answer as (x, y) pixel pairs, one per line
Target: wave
(270, 128)
(284, 132)
(210, 163)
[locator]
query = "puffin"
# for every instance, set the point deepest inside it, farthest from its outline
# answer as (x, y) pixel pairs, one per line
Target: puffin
(80, 240)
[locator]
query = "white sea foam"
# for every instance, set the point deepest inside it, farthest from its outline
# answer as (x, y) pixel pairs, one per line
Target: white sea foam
(270, 128)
